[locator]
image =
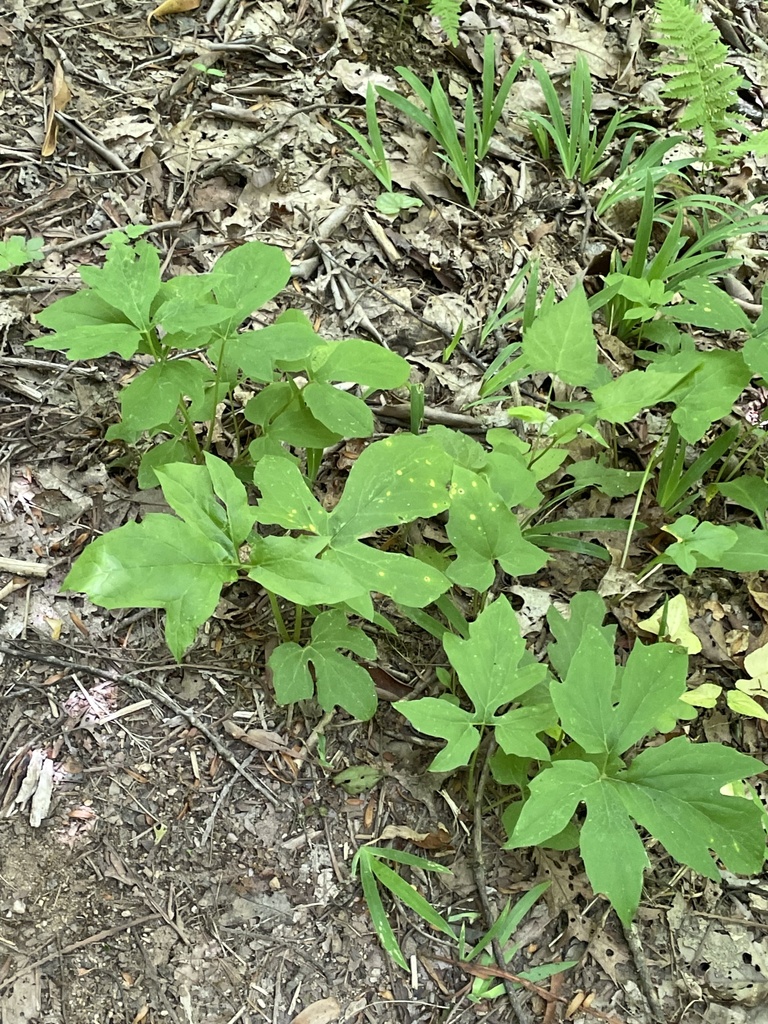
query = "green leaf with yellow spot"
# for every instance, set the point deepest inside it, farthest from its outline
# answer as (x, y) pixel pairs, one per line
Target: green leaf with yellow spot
(400, 577)
(286, 500)
(392, 482)
(396, 480)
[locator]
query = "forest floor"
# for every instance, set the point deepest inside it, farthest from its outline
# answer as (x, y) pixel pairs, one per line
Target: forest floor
(153, 865)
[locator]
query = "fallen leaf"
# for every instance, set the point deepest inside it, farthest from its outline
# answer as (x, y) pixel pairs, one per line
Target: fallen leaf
(677, 625)
(436, 840)
(60, 97)
(322, 1012)
(172, 7)
(704, 696)
(261, 739)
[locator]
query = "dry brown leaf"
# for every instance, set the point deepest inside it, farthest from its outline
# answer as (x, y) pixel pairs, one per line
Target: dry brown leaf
(436, 840)
(60, 97)
(172, 7)
(322, 1012)
(261, 739)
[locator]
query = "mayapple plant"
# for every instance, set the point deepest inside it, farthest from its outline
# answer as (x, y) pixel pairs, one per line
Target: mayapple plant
(567, 733)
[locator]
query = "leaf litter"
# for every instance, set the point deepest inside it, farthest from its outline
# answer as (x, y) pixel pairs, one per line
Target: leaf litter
(235, 928)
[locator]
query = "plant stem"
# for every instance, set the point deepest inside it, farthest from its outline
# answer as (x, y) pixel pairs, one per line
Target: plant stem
(190, 429)
(636, 508)
(297, 623)
(314, 459)
(216, 382)
(282, 629)
(519, 1011)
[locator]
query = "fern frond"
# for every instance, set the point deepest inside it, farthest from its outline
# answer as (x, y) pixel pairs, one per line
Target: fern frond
(447, 11)
(703, 80)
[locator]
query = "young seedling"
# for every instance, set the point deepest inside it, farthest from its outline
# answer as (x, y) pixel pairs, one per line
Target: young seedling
(17, 251)
(581, 148)
(463, 147)
(373, 157)
(369, 862)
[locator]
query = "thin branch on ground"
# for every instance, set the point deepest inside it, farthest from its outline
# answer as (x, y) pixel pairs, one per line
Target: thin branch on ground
(131, 679)
(650, 993)
(520, 1012)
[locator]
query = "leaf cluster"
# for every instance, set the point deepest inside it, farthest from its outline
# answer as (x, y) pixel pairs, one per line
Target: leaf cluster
(566, 730)
(598, 712)
(128, 310)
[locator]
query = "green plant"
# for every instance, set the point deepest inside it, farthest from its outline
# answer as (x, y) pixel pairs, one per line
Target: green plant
(564, 736)
(127, 309)
(629, 181)
(373, 157)
(675, 482)
(705, 81)
(204, 69)
(501, 316)
(369, 862)
(595, 714)
(501, 931)
(16, 252)
(447, 12)
(645, 288)
(581, 148)
(436, 119)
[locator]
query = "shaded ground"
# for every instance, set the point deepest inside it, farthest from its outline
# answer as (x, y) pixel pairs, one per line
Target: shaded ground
(179, 873)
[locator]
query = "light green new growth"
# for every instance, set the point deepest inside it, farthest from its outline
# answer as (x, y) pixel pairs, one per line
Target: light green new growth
(702, 78)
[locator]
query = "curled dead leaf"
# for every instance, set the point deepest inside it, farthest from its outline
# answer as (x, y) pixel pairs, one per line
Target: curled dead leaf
(436, 840)
(261, 739)
(172, 7)
(60, 97)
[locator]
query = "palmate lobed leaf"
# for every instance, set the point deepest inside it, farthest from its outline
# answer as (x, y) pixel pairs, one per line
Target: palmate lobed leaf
(128, 280)
(651, 686)
(94, 341)
(379, 492)
(586, 609)
(483, 530)
(338, 680)
(491, 674)
(699, 544)
(16, 251)
(153, 397)
(161, 562)
(179, 564)
(673, 790)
